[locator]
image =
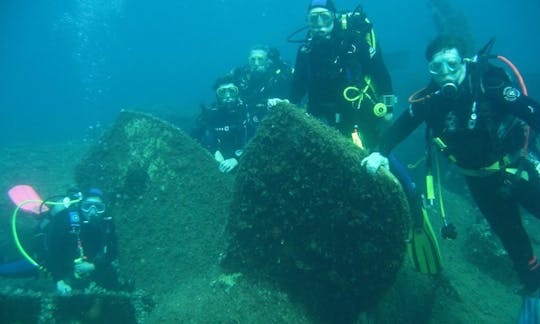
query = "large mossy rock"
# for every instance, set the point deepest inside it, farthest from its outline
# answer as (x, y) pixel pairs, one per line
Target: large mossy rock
(307, 215)
(168, 199)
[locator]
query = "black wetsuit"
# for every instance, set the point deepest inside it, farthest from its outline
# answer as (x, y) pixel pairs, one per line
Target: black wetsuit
(486, 123)
(222, 129)
(98, 245)
(324, 68)
(257, 88)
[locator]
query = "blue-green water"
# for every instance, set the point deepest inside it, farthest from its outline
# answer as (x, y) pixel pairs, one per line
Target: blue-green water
(65, 65)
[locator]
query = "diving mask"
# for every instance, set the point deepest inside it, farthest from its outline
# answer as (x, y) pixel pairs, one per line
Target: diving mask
(445, 62)
(320, 21)
(91, 206)
(227, 93)
(447, 67)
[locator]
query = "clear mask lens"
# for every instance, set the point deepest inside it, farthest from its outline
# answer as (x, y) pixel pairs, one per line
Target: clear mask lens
(320, 19)
(445, 64)
(96, 206)
(227, 92)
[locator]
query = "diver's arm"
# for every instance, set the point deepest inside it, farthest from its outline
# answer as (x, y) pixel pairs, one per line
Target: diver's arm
(109, 251)
(197, 132)
(204, 132)
(527, 109)
(60, 247)
(406, 123)
(299, 78)
(373, 66)
(373, 62)
(508, 98)
(283, 82)
(379, 73)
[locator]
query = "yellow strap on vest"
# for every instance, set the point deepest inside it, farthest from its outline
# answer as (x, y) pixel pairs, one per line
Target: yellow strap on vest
(497, 166)
(430, 189)
(370, 38)
(442, 146)
(356, 96)
(353, 93)
(344, 21)
(523, 175)
(356, 139)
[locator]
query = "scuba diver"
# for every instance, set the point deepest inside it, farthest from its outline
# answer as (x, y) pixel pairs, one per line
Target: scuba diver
(484, 125)
(265, 76)
(221, 128)
(340, 68)
(75, 241)
(80, 243)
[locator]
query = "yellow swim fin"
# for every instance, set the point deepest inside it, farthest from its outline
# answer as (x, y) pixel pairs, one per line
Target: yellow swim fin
(423, 247)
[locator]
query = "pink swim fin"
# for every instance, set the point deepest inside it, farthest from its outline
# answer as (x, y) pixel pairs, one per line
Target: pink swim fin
(27, 199)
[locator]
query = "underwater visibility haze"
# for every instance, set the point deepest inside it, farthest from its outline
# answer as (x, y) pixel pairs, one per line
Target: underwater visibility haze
(67, 65)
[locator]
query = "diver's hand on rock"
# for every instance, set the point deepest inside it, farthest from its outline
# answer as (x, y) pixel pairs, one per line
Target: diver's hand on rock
(272, 102)
(63, 288)
(374, 161)
(227, 165)
(83, 269)
(218, 156)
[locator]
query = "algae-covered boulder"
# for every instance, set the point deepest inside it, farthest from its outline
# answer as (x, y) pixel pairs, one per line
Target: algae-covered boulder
(307, 215)
(167, 197)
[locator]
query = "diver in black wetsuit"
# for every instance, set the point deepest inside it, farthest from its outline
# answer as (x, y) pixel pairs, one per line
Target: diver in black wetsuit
(265, 76)
(222, 127)
(340, 68)
(80, 244)
(486, 127)
(341, 71)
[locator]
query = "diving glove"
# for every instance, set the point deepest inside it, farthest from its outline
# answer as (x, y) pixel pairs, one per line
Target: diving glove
(83, 269)
(374, 161)
(227, 165)
(63, 288)
(218, 156)
(272, 102)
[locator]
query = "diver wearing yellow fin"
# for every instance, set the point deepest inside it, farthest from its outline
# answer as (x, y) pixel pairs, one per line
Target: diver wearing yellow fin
(340, 69)
(487, 127)
(422, 247)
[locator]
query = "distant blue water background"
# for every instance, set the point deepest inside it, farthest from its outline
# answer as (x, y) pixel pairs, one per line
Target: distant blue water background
(67, 65)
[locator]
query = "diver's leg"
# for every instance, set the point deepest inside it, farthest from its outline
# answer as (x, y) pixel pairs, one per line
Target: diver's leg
(501, 210)
(409, 187)
(528, 191)
(400, 172)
